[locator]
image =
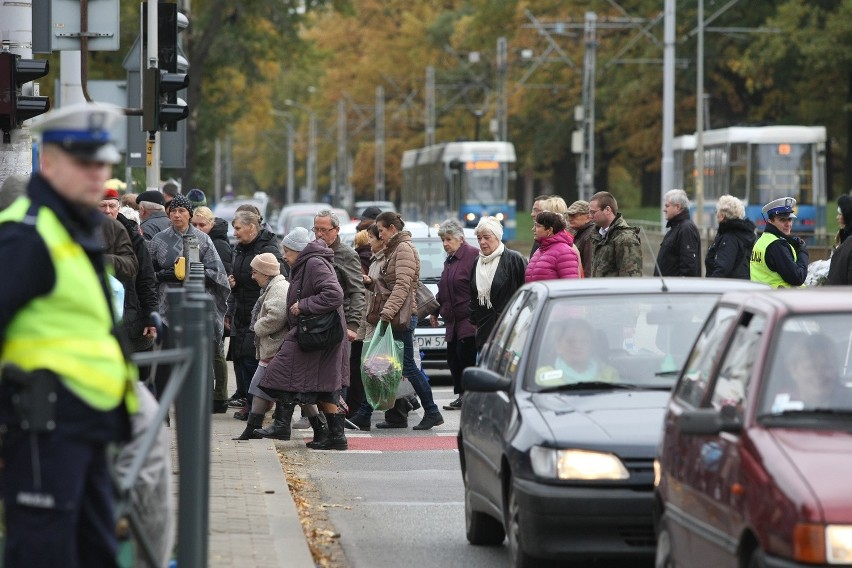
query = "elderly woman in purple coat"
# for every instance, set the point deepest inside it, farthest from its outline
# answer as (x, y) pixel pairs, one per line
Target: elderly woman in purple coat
(295, 376)
(454, 298)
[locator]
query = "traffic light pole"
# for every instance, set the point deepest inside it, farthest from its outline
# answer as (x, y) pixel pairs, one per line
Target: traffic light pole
(152, 146)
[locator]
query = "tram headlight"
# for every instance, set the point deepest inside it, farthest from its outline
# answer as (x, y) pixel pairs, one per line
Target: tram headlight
(499, 217)
(470, 217)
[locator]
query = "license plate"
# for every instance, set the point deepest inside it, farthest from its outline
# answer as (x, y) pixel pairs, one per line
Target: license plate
(431, 342)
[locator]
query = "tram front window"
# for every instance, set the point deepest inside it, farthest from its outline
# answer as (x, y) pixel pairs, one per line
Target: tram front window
(485, 186)
(781, 170)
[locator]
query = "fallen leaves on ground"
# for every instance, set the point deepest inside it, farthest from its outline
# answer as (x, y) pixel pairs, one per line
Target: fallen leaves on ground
(323, 539)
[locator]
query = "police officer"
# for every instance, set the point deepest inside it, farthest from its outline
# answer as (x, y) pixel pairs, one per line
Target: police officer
(778, 258)
(67, 387)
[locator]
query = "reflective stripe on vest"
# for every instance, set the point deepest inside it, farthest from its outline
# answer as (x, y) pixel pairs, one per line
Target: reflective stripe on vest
(68, 331)
(759, 271)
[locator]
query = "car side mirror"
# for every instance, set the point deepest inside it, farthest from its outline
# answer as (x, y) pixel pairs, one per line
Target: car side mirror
(478, 379)
(709, 421)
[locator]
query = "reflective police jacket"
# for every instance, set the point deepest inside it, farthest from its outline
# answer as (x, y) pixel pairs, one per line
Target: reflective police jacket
(69, 329)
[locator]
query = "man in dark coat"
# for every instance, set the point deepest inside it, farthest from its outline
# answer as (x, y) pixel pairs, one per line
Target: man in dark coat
(840, 270)
(347, 268)
(680, 251)
(152, 211)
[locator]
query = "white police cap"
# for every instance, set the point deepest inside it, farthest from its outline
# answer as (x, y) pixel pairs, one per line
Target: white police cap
(781, 206)
(83, 130)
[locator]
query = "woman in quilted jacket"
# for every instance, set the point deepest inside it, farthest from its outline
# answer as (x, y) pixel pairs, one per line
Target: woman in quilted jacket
(555, 256)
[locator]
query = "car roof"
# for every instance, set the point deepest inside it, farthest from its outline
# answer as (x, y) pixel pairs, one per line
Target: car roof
(644, 285)
(796, 300)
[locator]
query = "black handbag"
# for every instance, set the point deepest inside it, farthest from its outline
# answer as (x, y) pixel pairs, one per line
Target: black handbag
(317, 332)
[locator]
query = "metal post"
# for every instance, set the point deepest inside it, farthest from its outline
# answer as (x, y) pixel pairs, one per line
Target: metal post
(217, 170)
(586, 188)
(379, 172)
(152, 169)
(70, 78)
(16, 17)
(502, 90)
(312, 156)
(340, 186)
(430, 106)
(192, 411)
(667, 165)
(699, 123)
(291, 174)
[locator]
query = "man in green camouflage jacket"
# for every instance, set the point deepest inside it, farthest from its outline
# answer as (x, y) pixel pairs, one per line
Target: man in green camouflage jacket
(617, 246)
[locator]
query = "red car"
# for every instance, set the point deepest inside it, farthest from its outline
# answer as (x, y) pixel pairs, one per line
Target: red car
(755, 466)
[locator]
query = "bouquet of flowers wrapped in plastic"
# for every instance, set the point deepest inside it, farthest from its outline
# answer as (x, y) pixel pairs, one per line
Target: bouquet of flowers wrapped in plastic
(381, 368)
(817, 273)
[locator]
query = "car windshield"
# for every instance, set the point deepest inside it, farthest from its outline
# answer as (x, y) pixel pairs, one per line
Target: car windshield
(810, 369)
(640, 340)
(432, 257)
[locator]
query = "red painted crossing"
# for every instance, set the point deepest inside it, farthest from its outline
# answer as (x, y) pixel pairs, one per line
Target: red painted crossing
(401, 443)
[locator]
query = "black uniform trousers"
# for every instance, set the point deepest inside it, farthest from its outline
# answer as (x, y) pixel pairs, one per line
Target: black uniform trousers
(57, 490)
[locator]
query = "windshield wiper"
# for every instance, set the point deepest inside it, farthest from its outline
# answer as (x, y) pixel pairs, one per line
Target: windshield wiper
(808, 412)
(589, 385)
(672, 373)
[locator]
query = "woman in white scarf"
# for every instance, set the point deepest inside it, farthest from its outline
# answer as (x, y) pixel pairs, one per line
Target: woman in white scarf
(499, 272)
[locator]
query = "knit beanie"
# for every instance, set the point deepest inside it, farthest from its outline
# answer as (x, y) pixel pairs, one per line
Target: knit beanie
(297, 239)
(266, 264)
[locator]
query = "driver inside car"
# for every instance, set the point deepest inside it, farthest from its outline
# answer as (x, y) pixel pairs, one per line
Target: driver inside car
(573, 349)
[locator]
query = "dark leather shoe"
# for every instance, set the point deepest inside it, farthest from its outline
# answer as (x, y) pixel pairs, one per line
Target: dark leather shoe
(220, 406)
(455, 405)
(361, 421)
(392, 425)
(413, 402)
(429, 421)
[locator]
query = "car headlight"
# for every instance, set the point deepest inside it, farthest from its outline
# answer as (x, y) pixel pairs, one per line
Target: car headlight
(470, 216)
(819, 544)
(576, 464)
(499, 216)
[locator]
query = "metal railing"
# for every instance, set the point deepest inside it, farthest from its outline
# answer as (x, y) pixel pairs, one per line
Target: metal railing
(189, 352)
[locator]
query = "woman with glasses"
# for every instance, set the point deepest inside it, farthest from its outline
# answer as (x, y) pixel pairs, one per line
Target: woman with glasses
(252, 240)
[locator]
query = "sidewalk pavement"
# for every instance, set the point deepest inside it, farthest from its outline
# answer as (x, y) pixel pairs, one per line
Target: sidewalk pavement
(253, 519)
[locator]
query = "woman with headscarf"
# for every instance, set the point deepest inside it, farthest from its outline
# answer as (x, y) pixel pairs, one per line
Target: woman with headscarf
(302, 377)
(270, 324)
(167, 246)
(498, 273)
(252, 240)
(840, 270)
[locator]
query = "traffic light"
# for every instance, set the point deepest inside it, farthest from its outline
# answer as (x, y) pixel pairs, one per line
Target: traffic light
(161, 107)
(15, 107)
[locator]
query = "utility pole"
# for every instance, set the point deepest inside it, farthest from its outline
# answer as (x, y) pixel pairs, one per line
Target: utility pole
(340, 185)
(379, 171)
(699, 123)
(502, 90)
(587, 169)
(16, 33)
(430, 106)
(667, 165)
(217, 170)
(312, 156)
(152, 148)
(291, 174)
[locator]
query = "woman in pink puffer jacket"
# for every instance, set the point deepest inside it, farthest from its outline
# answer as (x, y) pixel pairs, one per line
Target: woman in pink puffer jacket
(556, 256)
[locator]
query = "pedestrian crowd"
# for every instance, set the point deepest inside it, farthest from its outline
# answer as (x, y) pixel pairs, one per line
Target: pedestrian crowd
(298, 310)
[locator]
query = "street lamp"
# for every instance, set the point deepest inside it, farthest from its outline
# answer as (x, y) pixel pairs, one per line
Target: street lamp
(312, 150)
(291, 174)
